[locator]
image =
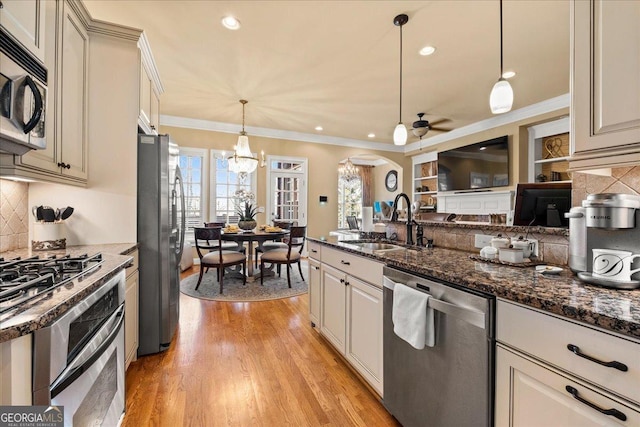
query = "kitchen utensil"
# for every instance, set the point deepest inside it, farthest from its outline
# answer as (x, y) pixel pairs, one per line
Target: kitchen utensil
(65, 212)
(39, 215)
(48, 214)
(57, 214)
(34, 211)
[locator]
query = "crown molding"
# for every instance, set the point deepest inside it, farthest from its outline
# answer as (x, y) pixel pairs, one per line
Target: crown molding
(149, 62)
(183, 122)
(533, 110)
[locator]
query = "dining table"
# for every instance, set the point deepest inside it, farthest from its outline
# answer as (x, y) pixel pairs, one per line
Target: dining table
(250, 237)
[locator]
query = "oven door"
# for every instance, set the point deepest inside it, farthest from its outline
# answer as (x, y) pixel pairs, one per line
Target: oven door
(91, 389)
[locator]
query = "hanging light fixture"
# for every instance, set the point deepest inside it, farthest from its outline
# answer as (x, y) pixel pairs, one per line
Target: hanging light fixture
(348, 172)
(242, 161)
(501, 98)
(400, 132)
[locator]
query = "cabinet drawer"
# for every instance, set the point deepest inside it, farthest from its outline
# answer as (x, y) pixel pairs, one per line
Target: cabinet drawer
(133, 267)
(547, 337)
(360, 267)
(314, 250)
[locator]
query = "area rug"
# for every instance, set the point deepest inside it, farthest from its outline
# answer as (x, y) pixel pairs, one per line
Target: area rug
(274, 287)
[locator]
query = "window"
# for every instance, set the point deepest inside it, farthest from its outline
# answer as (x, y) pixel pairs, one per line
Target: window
(224, 184)
(194, 173)
(287, 192)
(349, 201)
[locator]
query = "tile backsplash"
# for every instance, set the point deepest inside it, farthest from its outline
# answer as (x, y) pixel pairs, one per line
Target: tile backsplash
(622, 180)
(14, 215)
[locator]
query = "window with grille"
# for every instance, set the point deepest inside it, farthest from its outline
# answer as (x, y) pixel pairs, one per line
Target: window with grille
(224, 184)
(349, 201)
(193, 167)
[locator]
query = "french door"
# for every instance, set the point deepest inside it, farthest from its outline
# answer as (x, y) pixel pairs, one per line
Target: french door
(287, 189)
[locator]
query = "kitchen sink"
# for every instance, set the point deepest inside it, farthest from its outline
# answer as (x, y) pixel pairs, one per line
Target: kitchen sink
(376, 247)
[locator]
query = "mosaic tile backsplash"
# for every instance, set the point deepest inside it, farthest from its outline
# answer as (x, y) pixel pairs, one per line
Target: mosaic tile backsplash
(14, 215)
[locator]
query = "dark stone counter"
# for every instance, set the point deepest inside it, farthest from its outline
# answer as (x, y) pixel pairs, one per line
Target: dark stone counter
(41, 311)
(562, 294)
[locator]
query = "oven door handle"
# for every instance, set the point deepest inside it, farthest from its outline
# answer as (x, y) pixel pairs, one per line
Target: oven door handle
(72, 373)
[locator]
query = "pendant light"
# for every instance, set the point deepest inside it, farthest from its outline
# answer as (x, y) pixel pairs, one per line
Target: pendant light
(400, 132)
(242, 161)
(348, 172)
(501, 98)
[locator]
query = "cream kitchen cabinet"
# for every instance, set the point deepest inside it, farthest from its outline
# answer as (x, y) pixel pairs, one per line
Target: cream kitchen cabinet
(150, 90)
(131, 311)
(605, 84)
(351, 311)
(65, 159)
(15, 371)
(314, 282)
(25, 21)
(551, 371)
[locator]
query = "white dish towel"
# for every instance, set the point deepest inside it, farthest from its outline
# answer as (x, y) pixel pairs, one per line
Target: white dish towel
(412, 318)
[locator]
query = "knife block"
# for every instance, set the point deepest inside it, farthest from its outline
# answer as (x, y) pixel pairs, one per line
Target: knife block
(49, 236)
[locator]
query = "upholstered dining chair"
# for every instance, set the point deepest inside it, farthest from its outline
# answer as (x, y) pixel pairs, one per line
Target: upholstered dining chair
(288, 256)
(209, 248)
(269, 246)
(229, 246)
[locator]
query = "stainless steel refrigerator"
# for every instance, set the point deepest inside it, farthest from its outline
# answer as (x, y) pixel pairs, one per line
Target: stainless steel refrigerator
(161, 227)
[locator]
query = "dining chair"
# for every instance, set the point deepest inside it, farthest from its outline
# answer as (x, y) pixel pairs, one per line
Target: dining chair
(269, 246)
(209, 247)
(288, 256)
(229, 246)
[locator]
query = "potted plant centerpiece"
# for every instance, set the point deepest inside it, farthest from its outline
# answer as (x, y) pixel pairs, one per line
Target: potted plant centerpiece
(246, 210)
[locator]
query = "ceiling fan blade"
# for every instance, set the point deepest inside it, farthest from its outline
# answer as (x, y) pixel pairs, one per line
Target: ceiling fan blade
(438, 129)
(437, 122)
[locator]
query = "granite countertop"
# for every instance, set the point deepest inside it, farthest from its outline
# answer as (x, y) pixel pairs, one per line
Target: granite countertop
(38, 313)
(562, 294)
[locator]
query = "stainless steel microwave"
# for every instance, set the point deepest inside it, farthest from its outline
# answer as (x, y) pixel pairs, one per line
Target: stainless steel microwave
(23, 98)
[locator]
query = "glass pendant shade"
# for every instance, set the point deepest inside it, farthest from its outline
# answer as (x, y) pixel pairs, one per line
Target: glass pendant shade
(243, 160)
(501, 98)
(400, 134)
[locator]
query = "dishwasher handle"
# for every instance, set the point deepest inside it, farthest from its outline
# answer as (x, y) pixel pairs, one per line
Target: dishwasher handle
(469, 315)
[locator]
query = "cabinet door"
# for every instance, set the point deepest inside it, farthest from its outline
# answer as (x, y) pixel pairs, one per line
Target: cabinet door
(605, 104)
(154, 111)
(364, 330)
(144, 120)
(73, 69)
(131, 319)
(531, 394)
(333, 291)
(314, 292)
(25, 20)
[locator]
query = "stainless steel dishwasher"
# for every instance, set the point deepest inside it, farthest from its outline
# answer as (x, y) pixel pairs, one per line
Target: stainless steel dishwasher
(451, 383)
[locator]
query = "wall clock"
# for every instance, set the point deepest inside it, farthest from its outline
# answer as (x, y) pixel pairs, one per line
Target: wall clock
(391, 181)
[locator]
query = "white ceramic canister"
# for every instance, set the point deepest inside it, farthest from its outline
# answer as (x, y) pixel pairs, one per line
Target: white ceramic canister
(500, 242)
(525, 245)
(49, 236)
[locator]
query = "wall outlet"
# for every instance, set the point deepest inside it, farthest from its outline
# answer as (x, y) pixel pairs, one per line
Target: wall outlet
(482, 240)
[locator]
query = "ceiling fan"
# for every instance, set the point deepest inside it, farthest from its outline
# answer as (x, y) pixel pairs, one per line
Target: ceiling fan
(421, 127)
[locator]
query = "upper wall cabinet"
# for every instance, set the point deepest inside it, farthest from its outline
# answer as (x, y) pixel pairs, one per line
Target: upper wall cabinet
(25, 20)
(605, 79)
(65, 159)
(150, 90)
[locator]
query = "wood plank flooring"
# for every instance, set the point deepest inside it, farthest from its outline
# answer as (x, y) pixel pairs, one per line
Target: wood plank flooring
(252, 363)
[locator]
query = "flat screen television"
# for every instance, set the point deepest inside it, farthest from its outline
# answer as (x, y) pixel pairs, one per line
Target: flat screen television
(542, 204)
(475, 167)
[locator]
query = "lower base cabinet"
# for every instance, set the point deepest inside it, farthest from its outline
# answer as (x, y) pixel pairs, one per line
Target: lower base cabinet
(131, 297)
(314, 291)
(531, 393)
(351, 315)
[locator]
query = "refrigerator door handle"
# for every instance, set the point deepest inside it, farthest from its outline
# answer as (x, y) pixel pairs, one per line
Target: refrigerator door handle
(181, 231)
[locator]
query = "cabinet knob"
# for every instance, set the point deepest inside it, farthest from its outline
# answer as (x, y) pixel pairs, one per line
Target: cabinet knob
(153, 127)
(341, 280)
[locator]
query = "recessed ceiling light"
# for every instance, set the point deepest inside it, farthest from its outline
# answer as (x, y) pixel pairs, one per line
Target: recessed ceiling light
(371, 135)
(508, 74)
(483, 148)
(427, 50)
(230, 23)
(318, 128)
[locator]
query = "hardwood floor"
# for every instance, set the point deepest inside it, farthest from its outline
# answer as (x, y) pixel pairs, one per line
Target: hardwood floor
(253, 363)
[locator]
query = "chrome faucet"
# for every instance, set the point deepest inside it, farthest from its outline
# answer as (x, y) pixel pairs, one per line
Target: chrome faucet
(394, 216)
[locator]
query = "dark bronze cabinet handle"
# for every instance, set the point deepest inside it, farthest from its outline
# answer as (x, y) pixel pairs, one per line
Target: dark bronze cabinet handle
(611, 412)
(341, 280)
(614, 364)
(314, 251)
(345, 262)
(315, 268)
